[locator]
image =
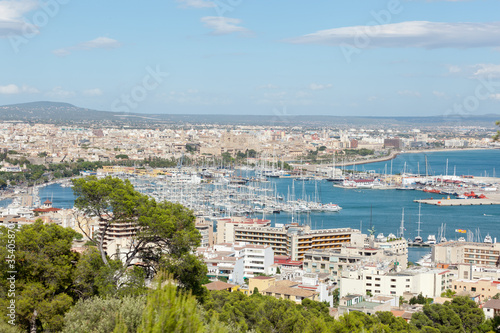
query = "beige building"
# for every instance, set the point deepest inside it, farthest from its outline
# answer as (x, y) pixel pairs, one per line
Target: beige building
(466, 253)
(294, 240)
(334, 261)
(226, 227)
(283, 289)
(484, 288)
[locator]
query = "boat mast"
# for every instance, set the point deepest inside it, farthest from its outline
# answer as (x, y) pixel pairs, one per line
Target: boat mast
(418, 222)
(402, 227)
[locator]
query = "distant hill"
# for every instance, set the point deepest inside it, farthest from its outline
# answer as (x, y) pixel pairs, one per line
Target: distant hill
(65, 113)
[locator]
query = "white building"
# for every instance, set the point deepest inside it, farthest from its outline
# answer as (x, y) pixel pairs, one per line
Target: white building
(382, 280)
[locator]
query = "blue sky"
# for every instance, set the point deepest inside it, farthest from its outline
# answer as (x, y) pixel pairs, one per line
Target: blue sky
(355, 57)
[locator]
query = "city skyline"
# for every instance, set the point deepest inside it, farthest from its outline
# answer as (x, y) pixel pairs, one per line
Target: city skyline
(385, 58)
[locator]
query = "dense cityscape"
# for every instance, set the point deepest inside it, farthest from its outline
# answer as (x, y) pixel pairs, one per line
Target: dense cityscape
(232, 166)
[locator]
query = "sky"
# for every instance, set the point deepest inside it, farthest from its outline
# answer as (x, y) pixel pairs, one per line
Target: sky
(274, 57)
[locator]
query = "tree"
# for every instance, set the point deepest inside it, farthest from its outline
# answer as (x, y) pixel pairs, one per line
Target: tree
(336, 297)
(448, 293)
(438, 316)
(251, 153)
(472, 316)
(168, 310)
(496, 137)
(98, 314)
(165, 233)
(44, 264)
(402, 301)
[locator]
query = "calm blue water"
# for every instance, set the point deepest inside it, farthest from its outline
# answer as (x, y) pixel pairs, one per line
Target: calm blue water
(467, 162)
(382, 207)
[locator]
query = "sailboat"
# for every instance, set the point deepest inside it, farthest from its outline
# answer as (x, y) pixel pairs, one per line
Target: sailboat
(442, 233)
(418, 239)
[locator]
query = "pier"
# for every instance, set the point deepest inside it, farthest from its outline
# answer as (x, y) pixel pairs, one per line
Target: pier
(458, 202)
(411, 244)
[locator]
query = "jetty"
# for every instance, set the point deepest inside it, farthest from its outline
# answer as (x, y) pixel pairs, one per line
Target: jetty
(458, 202)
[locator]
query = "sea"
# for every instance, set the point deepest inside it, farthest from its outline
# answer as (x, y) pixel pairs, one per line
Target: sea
(382, 209)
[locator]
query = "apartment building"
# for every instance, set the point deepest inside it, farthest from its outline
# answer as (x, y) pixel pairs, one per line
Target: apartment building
(466, 253)
(237, 261)
(294, 240)
(484, 288)
(383, 279)
(334, 261)
(305, 239)
(276, 237)
(257, 259)
(226, 227)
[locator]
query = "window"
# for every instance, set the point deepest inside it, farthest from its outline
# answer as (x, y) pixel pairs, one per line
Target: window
(393, 280)
(393, 293)
(377, 279)
(377, 285)
(473, 289)
(407, 286)
(369, 284)
(368, 277)
(393, 286)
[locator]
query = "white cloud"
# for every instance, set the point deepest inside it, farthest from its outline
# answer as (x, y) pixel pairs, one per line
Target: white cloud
(196, 4)
(409, 93)
(317, 86)
(439, 94)
(454, 69)
(374, 99)
(12, 89)
(223, 25)
(421, 34)
(487, 70)
(59, 92)
(98, 43)
(92, 92)
(495, 96)
(12, 20)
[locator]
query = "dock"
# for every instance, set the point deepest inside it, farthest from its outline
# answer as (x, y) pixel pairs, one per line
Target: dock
(411, 244)
(458, 202)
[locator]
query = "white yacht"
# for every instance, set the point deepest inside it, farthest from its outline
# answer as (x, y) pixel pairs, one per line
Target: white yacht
(431, 239)
(488, 239)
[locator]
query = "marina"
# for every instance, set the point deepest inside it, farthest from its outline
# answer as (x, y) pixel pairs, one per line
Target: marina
(362, 208)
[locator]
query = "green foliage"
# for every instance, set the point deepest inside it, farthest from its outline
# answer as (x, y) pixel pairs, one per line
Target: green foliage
(122, 157)
(448, 293)
(44, 264)
(96, 315)
(170, 310)
(460, 315)
(496, 137)
(336, 297)
(165, 235)
(420, 299)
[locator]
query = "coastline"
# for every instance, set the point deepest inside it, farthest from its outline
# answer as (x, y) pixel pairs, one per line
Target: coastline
(393, 155)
